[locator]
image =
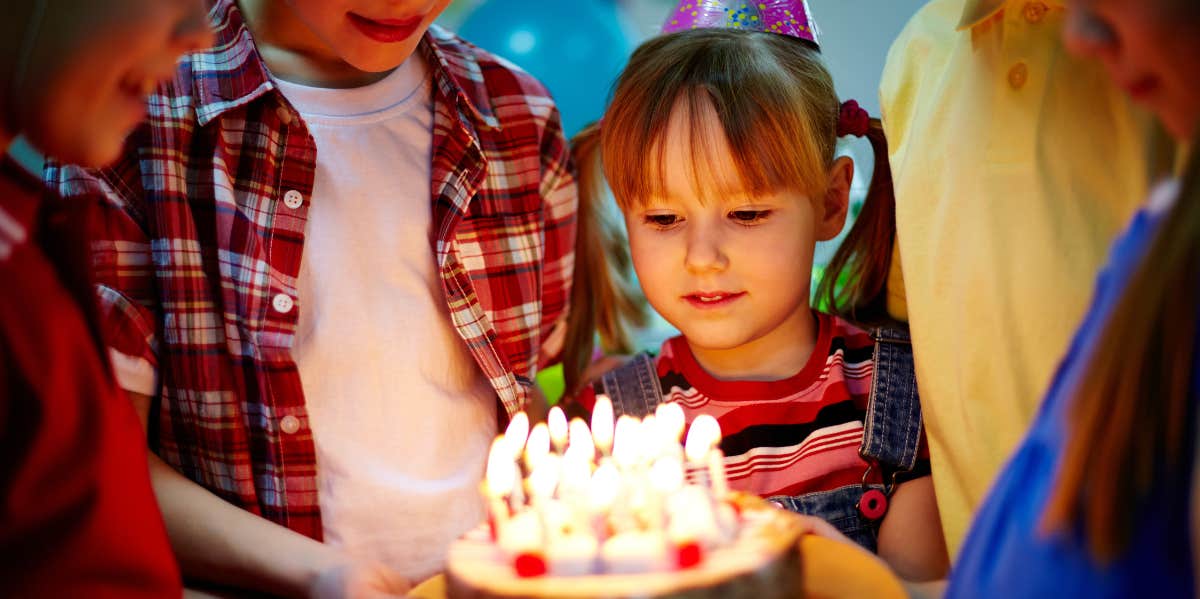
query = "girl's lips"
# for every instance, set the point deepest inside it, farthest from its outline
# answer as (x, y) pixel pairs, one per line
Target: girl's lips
(1142, 88)
(713, 299)
(388, 31)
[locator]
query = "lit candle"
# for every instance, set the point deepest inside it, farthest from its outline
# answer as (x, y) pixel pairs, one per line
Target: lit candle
(581, 441)
(669, 417)
(602, 424)
(499, 482)
(634, 552)
(544, 477)
(537, 448)
(701, 448)
(626, 448)
(604, 488)
(558, 428)
(516, 434)
(692, 517)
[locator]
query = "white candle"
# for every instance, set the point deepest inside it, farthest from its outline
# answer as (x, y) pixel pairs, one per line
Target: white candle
(604, 488)
(700, 448)
(602, 424)
(499, 482)
(692, 517)
(557, 421)
(572, 554)
(716, 473)
(523, 534)
(634, 552)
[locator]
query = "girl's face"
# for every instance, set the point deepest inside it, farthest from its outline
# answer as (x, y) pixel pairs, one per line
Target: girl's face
(90, 68)
(729, 270)
(1151, 49)
(372, 36)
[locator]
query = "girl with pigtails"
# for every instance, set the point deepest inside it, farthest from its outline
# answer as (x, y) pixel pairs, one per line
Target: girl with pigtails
(719, 148)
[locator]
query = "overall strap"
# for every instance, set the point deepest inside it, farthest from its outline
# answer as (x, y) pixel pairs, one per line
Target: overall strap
(633, 387)
(892, 433)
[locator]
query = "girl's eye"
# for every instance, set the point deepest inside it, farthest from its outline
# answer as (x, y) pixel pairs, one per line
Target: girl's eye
(748, 217)
(662, 221)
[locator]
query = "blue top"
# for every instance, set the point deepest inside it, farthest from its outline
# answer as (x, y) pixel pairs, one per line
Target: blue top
(1006, 555)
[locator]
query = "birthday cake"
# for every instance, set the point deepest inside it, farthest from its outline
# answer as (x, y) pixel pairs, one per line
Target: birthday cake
(621, 510)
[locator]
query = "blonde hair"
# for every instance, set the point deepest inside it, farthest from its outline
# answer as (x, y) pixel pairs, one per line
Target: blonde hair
(778, 111)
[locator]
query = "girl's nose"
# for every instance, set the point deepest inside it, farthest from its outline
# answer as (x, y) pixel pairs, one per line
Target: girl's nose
(704, 250)
(1088, 35)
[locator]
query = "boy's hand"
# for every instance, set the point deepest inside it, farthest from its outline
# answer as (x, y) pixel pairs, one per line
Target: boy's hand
(359, 580)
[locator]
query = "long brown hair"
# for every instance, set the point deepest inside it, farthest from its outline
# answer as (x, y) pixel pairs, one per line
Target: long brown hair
(1131, 417)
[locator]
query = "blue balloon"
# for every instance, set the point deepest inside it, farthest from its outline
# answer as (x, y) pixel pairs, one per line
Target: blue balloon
(575, 47)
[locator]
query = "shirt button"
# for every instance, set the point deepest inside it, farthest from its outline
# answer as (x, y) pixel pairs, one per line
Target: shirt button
(1034, 12)
(1018, 75)
(285, 115)
(289, 424)
(293, 199)
(282, 303)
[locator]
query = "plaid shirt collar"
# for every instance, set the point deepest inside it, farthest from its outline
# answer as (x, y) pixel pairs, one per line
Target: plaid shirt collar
(231, 72)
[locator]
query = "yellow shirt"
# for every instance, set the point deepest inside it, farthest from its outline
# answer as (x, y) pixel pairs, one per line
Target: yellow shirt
(1015, 165)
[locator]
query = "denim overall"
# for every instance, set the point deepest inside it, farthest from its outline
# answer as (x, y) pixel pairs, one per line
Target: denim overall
(891, 433)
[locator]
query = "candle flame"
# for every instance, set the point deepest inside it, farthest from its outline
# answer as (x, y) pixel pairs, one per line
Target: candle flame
(558, 427)
(704, 434)
(602, 423)
(581, 440)
(626, 444)
(538, 446)
(516, 433)
(500, 475)
(670, 421)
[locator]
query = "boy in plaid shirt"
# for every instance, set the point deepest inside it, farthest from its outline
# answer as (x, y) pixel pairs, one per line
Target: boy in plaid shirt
(330, 263)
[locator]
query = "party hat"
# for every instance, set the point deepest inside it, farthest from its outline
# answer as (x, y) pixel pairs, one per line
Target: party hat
(786, 17)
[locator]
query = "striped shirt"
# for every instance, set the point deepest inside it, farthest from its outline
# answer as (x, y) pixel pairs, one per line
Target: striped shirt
(204, 225)
(787, 437)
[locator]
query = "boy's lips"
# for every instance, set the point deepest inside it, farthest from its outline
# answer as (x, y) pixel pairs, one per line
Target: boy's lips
(387, 31)
(706, 300)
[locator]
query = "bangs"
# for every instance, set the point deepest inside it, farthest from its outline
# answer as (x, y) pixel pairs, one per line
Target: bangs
(776, 116)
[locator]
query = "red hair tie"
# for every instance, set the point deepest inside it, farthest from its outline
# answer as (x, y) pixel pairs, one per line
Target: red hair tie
(853, 120)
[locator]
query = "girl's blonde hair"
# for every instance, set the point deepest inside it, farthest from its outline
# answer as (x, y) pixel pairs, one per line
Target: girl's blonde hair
(779, 112)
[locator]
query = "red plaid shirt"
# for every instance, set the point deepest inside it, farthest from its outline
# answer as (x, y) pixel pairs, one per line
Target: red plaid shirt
(198, 250)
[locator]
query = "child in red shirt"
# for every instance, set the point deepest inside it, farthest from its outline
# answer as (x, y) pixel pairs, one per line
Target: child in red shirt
(77, 514)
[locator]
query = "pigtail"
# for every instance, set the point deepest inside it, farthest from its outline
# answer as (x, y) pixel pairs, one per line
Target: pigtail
(605, 301)
(854, 285)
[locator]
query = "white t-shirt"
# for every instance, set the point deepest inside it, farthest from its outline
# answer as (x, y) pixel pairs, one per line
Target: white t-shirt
(402, 417)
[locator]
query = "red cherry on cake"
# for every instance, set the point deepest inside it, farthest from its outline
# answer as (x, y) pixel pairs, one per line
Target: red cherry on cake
(529, 565)
(688, 554)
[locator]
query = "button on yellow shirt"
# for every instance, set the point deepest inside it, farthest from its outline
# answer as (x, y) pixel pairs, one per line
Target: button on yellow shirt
(1015, 165)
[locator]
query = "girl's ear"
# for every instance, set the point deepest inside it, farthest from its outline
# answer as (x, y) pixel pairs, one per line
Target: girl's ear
(832, 215)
